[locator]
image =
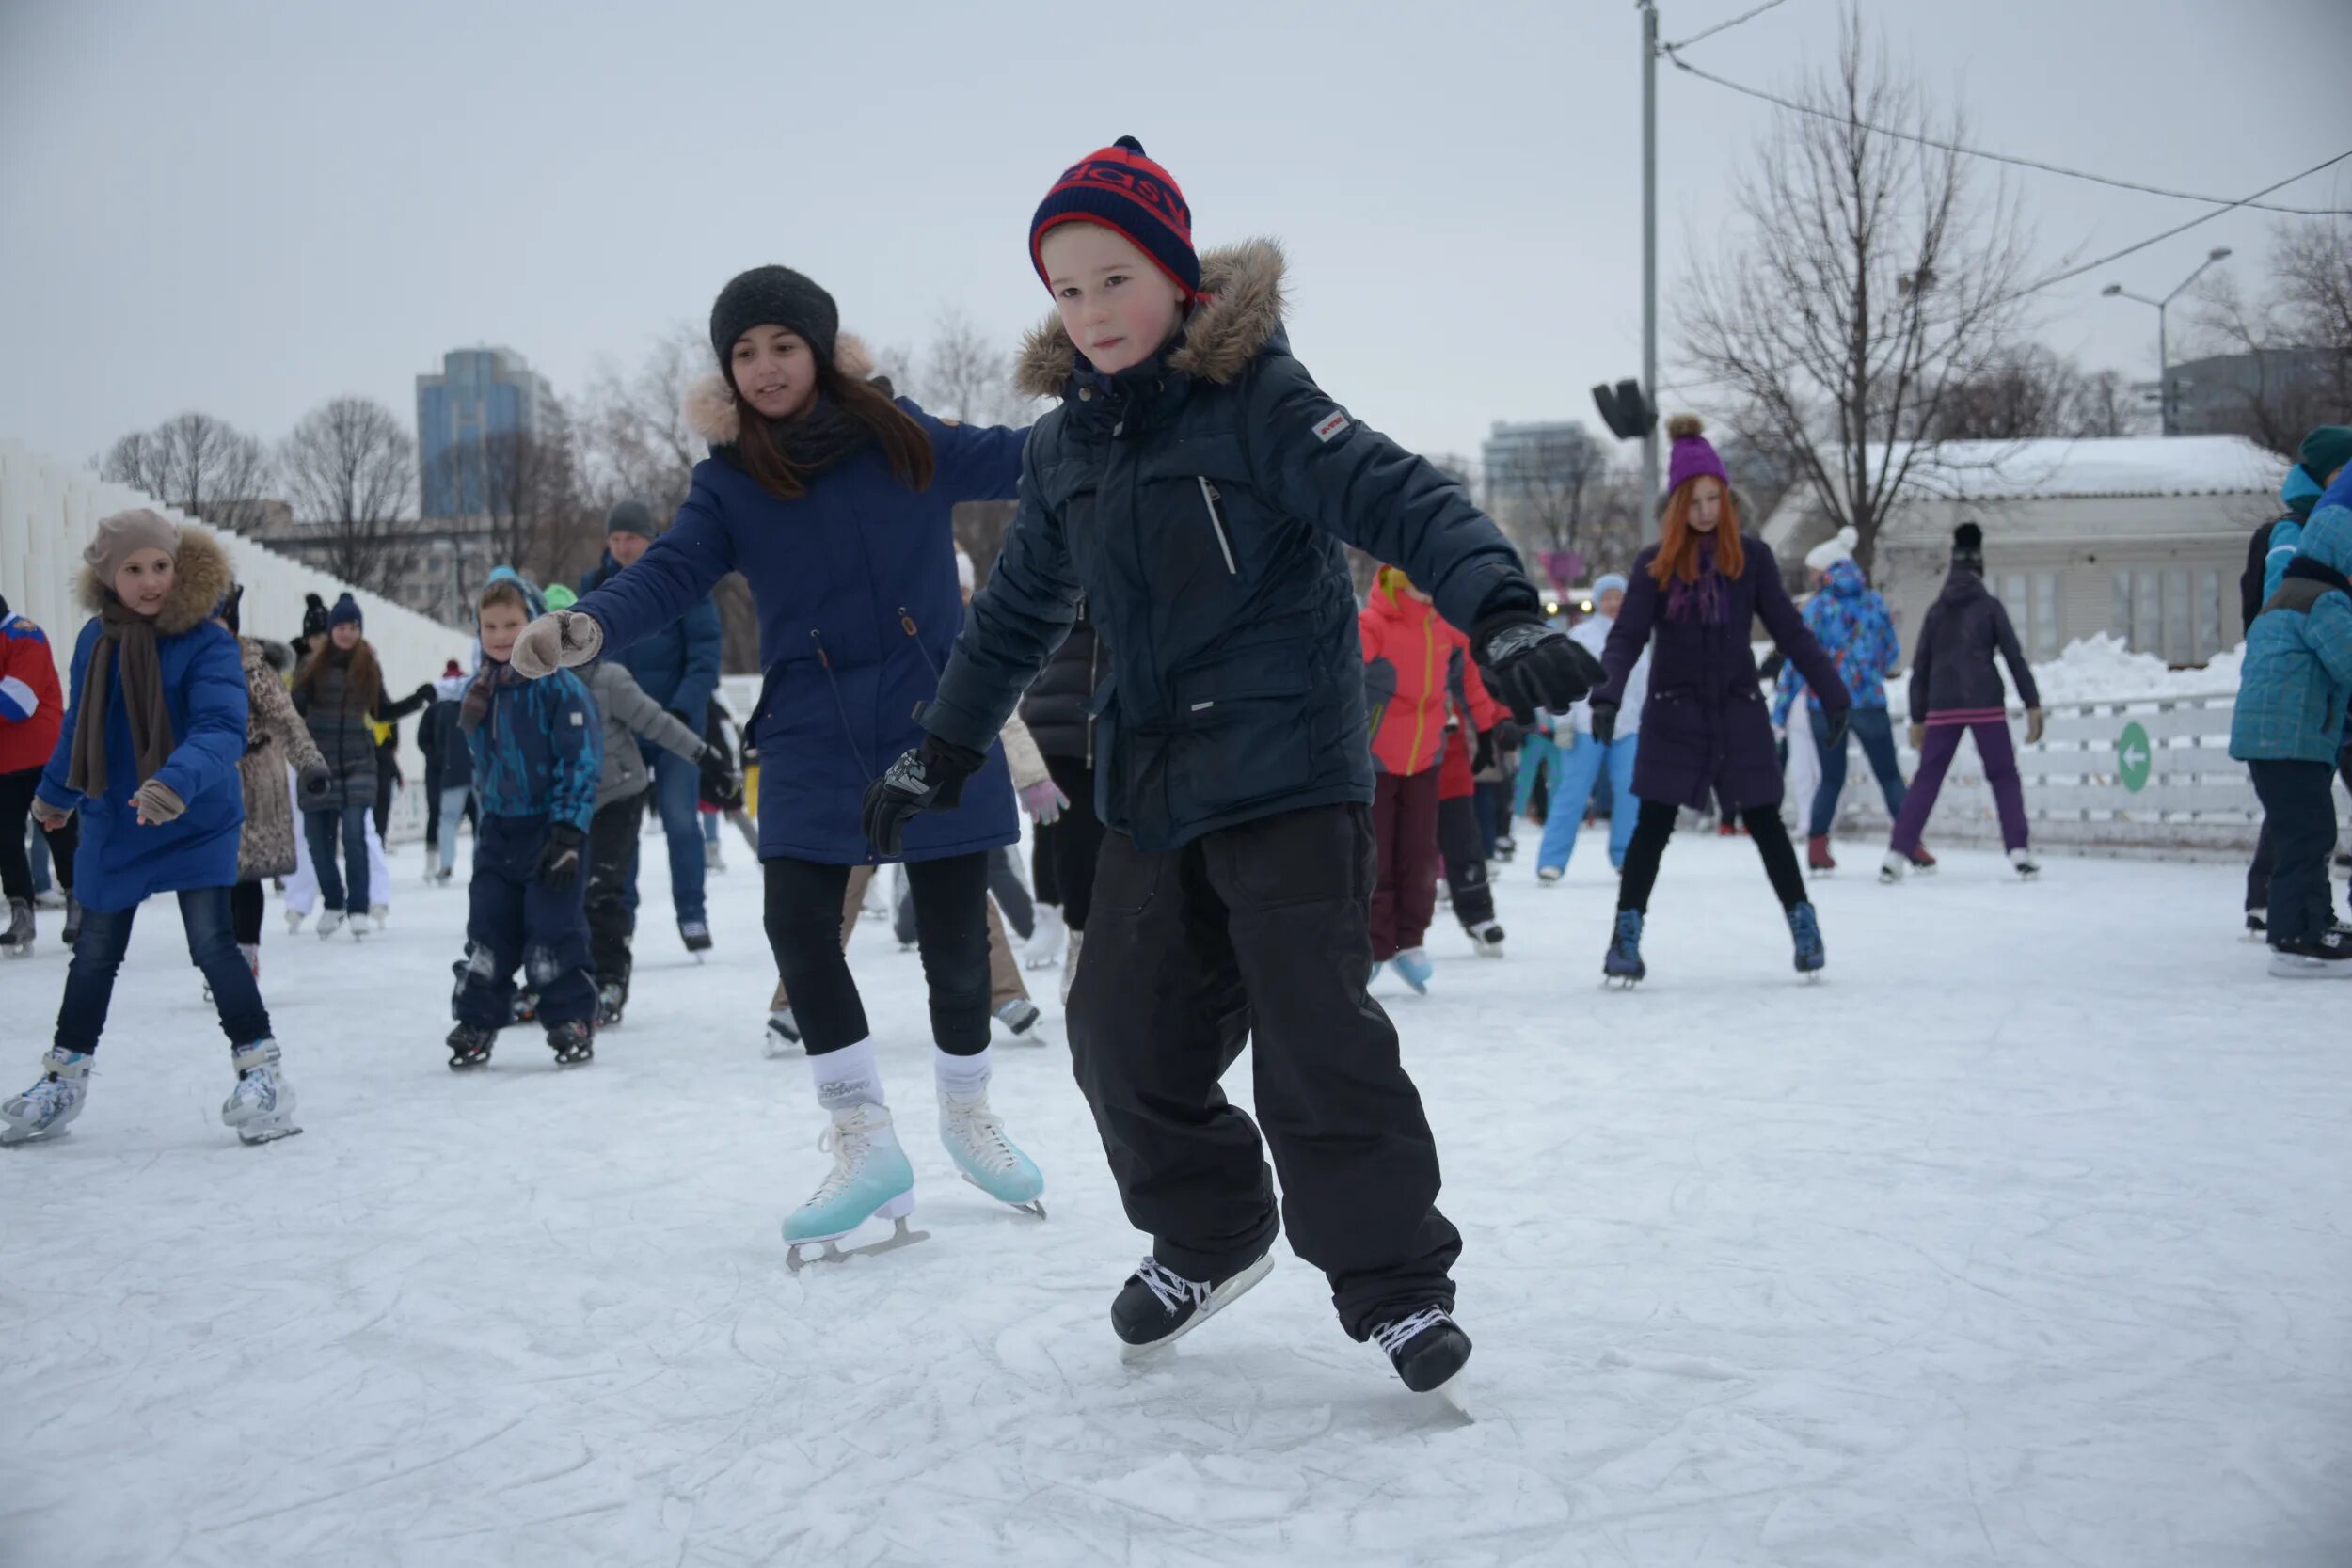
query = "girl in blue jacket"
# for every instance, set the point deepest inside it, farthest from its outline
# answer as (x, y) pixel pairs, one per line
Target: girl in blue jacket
(833, 499)
(154, 729)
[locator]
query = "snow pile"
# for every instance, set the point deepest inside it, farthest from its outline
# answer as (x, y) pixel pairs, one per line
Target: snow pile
(2101, 668)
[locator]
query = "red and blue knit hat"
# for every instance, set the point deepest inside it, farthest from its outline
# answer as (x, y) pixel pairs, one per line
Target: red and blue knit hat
(1130, 195)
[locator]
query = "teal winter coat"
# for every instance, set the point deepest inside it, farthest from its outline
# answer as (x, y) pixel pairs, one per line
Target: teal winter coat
(2297, 679)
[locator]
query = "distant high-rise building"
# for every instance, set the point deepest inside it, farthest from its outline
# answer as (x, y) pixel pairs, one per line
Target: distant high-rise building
(480, 393)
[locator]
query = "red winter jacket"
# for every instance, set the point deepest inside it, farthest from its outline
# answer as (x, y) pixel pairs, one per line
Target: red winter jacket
(1413, 660)
(32, 709)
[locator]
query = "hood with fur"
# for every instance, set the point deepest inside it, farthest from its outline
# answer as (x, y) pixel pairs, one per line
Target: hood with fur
(713, 413)
(266, 651)
(202, 578)
(1239, 313)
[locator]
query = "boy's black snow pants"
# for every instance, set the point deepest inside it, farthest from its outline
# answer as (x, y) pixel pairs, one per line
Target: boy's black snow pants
(1260, 934)
(611, 856)
(516, 920)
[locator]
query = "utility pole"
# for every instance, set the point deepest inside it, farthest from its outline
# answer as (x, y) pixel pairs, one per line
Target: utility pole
(1650, 264)
(2167, 418)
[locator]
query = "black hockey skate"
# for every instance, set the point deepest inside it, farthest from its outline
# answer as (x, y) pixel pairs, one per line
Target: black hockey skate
(470, 1047)
(1428, 1348)
(572, 1042)
(1157, 1304)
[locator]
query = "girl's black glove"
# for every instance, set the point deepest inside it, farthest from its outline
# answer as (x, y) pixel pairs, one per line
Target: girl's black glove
(559, 863)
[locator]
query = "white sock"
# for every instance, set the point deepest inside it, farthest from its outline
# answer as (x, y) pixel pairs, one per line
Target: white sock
(964, 1077)
(848, 1077)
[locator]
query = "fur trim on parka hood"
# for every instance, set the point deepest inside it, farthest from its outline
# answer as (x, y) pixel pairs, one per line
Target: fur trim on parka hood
(201, 578)
(715, 414)
(1239, 311)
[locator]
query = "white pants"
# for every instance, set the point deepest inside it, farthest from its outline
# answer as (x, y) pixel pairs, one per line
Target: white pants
(1804, 763)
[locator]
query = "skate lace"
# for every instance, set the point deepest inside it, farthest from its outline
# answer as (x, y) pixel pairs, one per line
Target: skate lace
(1172, 1290)
(982, 1131)
(1628, 930)
(848, 1146)
(1393, 1337)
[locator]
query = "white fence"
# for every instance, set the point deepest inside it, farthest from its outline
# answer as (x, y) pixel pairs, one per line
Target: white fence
(49, 511)
(2126, 774)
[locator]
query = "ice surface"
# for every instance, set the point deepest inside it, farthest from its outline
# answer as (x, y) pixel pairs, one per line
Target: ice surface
(2021, 1240)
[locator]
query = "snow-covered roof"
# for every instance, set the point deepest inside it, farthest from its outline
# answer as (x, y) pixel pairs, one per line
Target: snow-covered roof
(2108, 466)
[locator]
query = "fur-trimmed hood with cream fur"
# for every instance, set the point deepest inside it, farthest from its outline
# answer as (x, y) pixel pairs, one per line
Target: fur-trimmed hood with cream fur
(1240, 312)
(714, 413)
(201, 578)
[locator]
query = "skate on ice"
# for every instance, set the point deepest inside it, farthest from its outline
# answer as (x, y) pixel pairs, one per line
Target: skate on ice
(1428, 1350)
(1158, 1307)
(43, 1112)
(871, 1180)
(976, 1140)
(260, 1108)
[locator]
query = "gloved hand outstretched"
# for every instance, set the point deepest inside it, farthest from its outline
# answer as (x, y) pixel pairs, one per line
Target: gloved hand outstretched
(50, 817)
(1044, 802)
(1604, 722)
(558, 639)
(157, 804)
(559, 863)
(1532, 665)
(721, 783)
(1835, 721)
(930, 776)
(2033, 727)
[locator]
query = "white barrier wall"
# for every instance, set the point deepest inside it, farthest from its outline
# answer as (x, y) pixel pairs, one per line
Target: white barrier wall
(48, 512)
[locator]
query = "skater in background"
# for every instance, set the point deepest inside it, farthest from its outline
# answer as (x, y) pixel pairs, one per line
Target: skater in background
(1413, 659)
(1955, 691)
(724, 737)
(676, 664)
(276, 739)
(340, 693)
(448, 773)
(834, 501)
(32, 710)
(1585, 758)
(1705, 731)
(2323, 454)
(2288, 728)
(148, 757)
(1195, 486)
(538, 759)
(1058, 709)
(1461, 848)
(1849, 620)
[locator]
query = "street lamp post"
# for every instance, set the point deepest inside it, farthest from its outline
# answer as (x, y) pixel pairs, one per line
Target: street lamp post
(2168, 421)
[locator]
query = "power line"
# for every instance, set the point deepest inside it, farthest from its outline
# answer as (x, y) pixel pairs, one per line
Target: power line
(1724, 26)
(2221, 203)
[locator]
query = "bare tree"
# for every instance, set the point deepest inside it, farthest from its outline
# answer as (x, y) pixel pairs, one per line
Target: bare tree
(967, 377)
(636, 444)
(2299, 336)
(1866, 282)
(1539, 490)
(204, 466)
(538, 519)
(350, 471)
(2030, 392)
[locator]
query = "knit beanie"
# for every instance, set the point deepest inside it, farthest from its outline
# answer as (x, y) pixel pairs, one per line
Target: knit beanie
(1607, 580)
(2326, 449)
(1128, 194)
(314, 617)
(1968, 549)
(346, 609)
(772, 296)
(1692, 454)
(629, 517)
(1829, 553)
(124, 536)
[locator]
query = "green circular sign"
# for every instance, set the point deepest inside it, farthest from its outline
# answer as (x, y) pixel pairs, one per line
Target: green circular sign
(2134, 757)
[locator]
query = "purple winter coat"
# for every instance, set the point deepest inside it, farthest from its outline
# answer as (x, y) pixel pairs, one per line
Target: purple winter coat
(1706, 726)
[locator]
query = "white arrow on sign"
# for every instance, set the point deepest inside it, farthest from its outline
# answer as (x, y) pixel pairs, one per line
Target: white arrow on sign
(2135, 756)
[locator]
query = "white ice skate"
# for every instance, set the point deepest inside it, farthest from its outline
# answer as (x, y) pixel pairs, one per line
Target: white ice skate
(871, 1180)
(1043, 948)
(2028, 867)
(1891, 869)
(294, 921)
(260, 1107)
(1486, 941)
(42, 1112)
(330, 921)
(782, 1035)
(976, 1140)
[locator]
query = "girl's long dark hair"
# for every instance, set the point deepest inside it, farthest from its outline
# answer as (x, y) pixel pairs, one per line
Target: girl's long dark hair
(905, 443)
(363, 682)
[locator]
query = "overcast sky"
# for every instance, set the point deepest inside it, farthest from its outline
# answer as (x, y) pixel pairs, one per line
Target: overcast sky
(248, 208)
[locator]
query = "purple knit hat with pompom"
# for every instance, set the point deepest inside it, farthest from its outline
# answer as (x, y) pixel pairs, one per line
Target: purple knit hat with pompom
(1694, 454)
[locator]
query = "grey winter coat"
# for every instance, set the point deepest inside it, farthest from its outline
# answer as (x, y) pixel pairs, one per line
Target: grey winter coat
(275, 736)
(1951, 668)
(628, 713)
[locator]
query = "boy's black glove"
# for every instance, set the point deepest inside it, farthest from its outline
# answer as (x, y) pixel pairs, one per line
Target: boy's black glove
(930, 776)
(1530, 664)
(1604, 722)
(721, 784)
(559, 863)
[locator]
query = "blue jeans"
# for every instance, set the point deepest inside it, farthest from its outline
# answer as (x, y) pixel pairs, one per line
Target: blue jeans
(1870, 726)
(1539, 755)
(320, 826)
(452, 809)
(676, 785)
(515, 920)
(1580, 766)
(90, 979)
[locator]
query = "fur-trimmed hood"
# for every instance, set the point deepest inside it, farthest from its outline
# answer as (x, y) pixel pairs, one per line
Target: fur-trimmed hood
(202, 578)
(266, 652)
(1239, 312)
(713, 413)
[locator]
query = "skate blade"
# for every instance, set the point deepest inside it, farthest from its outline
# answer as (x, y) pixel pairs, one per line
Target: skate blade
(1451, 1392)
(253, 1137)
(776, 1048)
(1220, 1298)
(834, 1253)
(14, 1137)
(1035, 1207)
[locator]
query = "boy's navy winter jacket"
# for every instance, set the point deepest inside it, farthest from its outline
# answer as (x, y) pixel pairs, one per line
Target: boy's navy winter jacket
(677, 665)
(539, 748)
(2296, 681)
(859, 606)
(119, 861)
(1199, 502)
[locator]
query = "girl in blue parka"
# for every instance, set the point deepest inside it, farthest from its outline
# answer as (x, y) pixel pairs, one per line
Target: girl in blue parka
(833, 499)
(154, 729)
